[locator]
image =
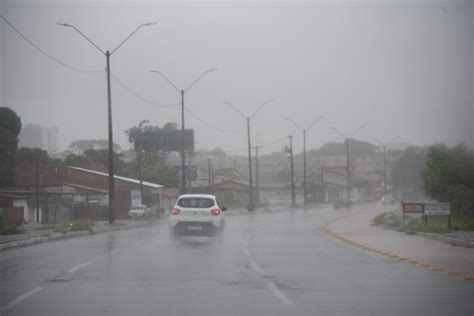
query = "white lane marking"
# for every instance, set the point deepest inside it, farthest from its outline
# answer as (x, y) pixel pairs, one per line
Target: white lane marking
(114, 252)
(82, 265)
(276, 291)
(255, 266)
(20, 299)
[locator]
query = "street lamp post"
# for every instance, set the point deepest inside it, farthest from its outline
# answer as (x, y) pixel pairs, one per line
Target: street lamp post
(384, 146)
(182, 92)
(209, 174)
(348, 171)
(305, 190)
(109, 110)
(257, 176)
(292, 168)
(248, 118)
(140, 158)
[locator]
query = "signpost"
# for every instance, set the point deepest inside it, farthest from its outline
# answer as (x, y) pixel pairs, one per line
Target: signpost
(437, 209)
(412, 208)
(427, 208)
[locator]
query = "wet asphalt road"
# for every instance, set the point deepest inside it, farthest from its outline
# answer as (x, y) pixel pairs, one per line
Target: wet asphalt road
(266, 264)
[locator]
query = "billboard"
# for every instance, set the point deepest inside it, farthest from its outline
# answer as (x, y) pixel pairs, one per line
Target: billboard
(166, 140)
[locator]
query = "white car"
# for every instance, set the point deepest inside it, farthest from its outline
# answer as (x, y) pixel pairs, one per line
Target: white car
(196, 215)
(139, 211)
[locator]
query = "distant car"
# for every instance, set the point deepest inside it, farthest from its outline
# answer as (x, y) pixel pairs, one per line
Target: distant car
(196, 215)
(387, 199)
(341, 203)
(139, 212)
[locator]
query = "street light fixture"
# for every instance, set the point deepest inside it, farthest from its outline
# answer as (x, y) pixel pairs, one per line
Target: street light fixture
(109, 109)
(182, 92)
(348, 185)
(247, 118)
(384, 146)
(304, 152)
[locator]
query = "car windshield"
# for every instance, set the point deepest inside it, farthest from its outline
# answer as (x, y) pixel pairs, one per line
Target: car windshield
(138, 207)
(196, 202)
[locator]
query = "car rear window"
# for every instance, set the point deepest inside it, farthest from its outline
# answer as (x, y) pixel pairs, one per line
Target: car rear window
(196, 202)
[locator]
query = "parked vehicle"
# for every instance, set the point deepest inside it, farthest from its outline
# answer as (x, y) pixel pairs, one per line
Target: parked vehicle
(197, 215)
(139, 212)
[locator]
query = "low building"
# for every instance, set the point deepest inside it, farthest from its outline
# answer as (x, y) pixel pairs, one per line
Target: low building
(67, 193)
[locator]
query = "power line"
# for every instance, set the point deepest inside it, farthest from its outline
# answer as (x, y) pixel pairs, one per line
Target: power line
(44, 53)
(139, 96)
(209, 125)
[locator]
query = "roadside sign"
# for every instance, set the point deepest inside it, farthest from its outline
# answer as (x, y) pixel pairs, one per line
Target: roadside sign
(412, 207)
(434, 208)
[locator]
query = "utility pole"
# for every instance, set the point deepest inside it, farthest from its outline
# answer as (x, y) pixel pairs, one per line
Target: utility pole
(304, 169)
(384, 170)
(37, 189)
(209, 171)
(109, 113)
(183, 155)
(293, 198)
(348, 174)
(247, 118)
(182, 93)
(257, 177)
(140, 158)
(305, 190)
(384, 146)
(251, 205)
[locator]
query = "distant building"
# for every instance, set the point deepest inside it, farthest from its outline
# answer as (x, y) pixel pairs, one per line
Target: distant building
(37, 136)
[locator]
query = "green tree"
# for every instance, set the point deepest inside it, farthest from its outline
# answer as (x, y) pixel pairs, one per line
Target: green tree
(28, 155)
(10, 127)
(154, 169)
(98, 156)
(449, 177)
(84, 144)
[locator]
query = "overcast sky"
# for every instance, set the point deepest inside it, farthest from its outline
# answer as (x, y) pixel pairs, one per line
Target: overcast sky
(398, 67)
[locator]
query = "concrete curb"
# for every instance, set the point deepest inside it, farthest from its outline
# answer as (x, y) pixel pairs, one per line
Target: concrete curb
(326, 226)
(37, 240)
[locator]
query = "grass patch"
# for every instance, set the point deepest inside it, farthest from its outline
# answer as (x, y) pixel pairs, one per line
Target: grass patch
(418, 226)
(457, 222)
(75, 226)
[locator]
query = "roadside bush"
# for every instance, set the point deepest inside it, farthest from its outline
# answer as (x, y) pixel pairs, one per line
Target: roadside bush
(6, 229)
(81, 225)
(388, 220)
(379, 219)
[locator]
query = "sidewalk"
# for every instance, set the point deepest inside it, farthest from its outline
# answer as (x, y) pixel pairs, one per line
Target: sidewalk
(357, 230)
(36, 234)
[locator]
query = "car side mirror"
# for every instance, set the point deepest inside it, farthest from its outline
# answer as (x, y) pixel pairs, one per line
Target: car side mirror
(223, 209)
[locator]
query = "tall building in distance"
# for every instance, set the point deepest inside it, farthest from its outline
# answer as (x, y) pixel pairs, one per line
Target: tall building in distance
(36, 136)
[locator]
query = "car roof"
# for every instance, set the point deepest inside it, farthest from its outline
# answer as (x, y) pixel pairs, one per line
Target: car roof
(209, 196)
